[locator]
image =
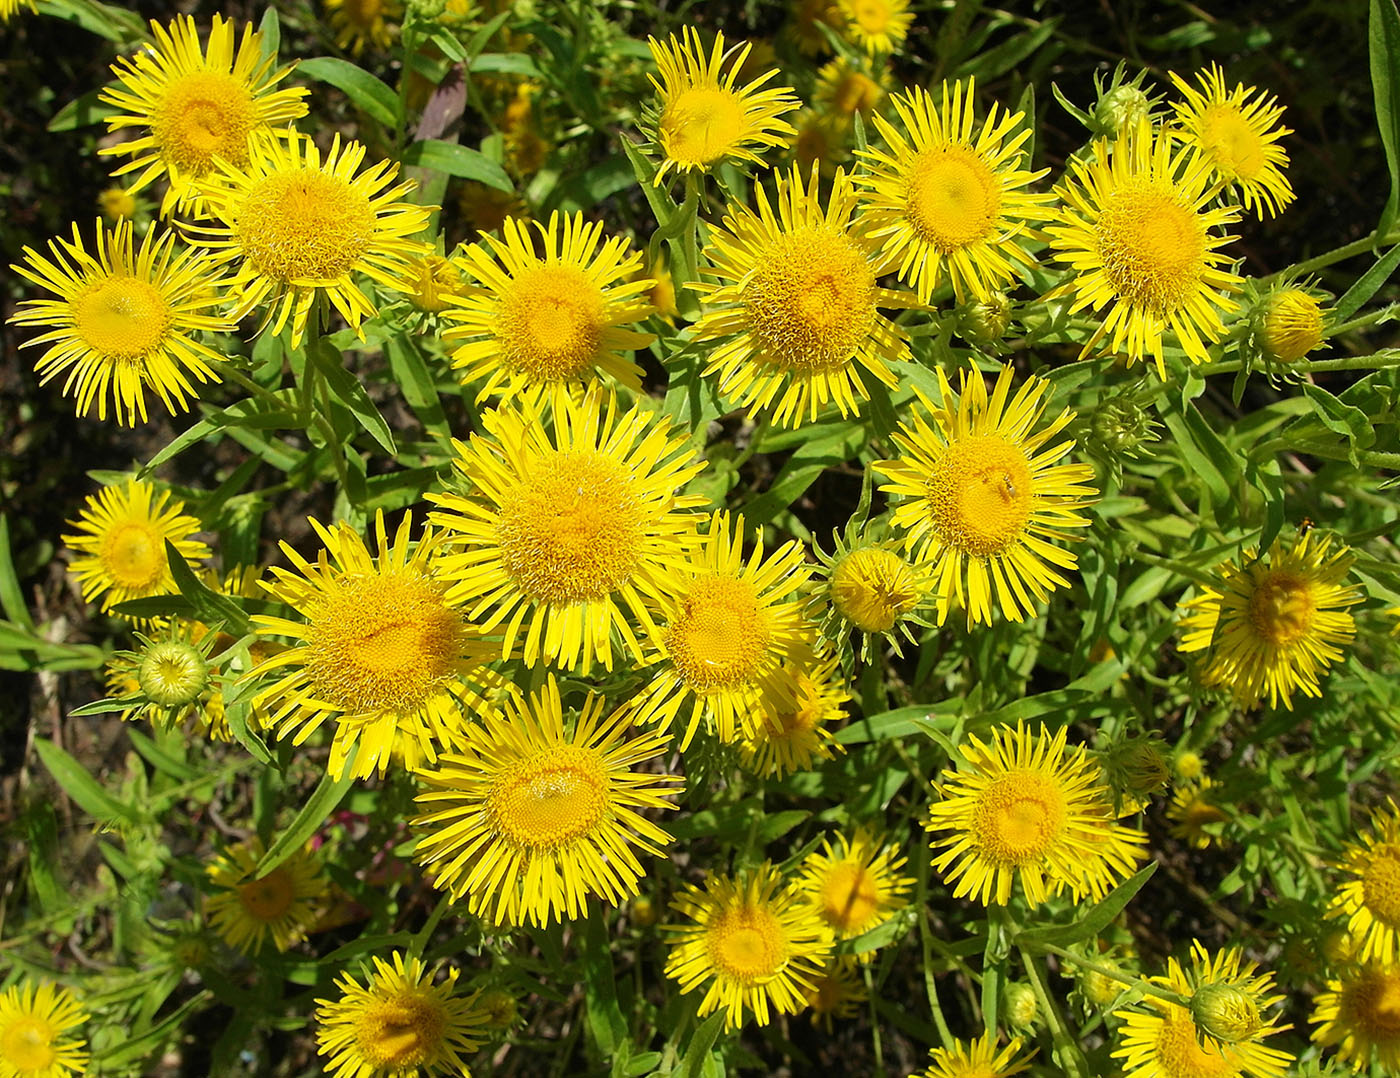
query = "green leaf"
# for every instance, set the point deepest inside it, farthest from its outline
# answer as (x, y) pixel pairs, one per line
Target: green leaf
(11, 595)
(808, 461)
(85, 790)
(158, 758)
(271, 30)
(323, 801)
(81, 112)
(416, 382)
(215, 610)
(1092, 924)
(376, 99)
(346, 388)
(606, 1023)
(457, 160)
(1385, 86)
(506, 63)
(697, 1052)
(1351, 423)
(1366, 286)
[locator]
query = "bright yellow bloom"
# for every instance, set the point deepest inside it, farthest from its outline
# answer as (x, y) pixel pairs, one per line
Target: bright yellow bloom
(530, 820)
(197, 106)
(549, 322)
(1292, 325)
(751, 941)
(114, 203)
(34, 1024)
(874, 588)
(730, 638)
(855, 885)
(380, 650)
(796, 304)
(1275, 625)
(978, 1059)
(983, 501)
(1219, 1036)
(559, 535)
(1137, 232)
(947, 202)
(122, 551)
(434, 279)
(398, 1023)
(796, 737)
(124, 319)
(1192, 811)
(249, 908)
(703, 119)
(877, 26)
(1360, 1014)
(1238, 136)
(299, 227)
(1022, 810)
(358, 23)
(1370, 901)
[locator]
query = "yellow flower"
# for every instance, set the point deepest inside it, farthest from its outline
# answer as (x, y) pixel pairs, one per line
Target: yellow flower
(873, 588)
(124, 319)
(1274, 625)
(946, 202)
(728, 638)
(434, 280)
(1292, 325)
(1370, 903)
(819, 142)
(380, 650)
(796, 736)
(34, 1024)
(978, 1059)
(877, 26)
(855, 885)
(1360, 1014)
(983, 500)
(1189, 766)
(500, 1007)
(751, 941)
(530, 820)
(122, 548)
(1137, 234)
(114, 203)
(703, 119)
(844, 89)
(836, 993)
(1218, 1036)
(196, 106)
(300, 226)
(543, 326)
(249, 908)
(1192, 812)
(1021, 810)
(1238, 136)
(358, 23)
(796, 304)
(397, 1022)
(558, 535)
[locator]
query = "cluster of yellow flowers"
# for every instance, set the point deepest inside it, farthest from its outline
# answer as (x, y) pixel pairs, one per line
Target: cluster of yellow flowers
(566, 541)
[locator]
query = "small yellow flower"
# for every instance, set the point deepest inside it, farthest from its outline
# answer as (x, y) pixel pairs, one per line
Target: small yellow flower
(877, 26)
(248, 907)
(855, 884)
(1189, 766)
(34, 1024)
(1194, 815)
(978, 1059)
(808, 16)
(1359, 1014)
(703, 119)
(843, 89)
(115, 203)
(836, 993)
(796, 737)
(434, 281)
(874, 587)
(1369, 902)
(1292, 325)
(358, 23)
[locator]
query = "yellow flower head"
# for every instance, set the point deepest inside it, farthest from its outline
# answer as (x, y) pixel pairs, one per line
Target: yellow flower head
(730, 638)
(379, 650)
(751, 941)
(795, 737)
(1136, 231)
(978, 1059)
(947, 202)
(819, 142)
(874, 588)
(1189, 766)
(300, 226)
(121, 553)
(1218, 1036)
(855, 885)
(983, 501)
(877, 26)
(1292, 325)
(1024, 810)
(434, 280)
(558, 535)
(34, 1024)
(796, 305)
(1370, 901)
(703, 118)
(397, 1023)
(1193, 812)
(530, 820)
(844, 89)
(545, 324)
(249, 907)
(114, 203)
(123, 319)
(1274, 625)
(1360, 1015)
(358, 23)
(1238, 136)
(197, 106)
(836, 993)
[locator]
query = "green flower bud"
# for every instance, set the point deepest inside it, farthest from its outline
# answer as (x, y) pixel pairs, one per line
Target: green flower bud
(1226, 1012)
(1137, 766)
(1121, 427)
(984, 322)
(1020, 1006)
(1120, 107)
(172, 673)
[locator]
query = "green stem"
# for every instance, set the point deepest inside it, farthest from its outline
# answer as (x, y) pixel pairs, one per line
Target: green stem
(1362, 320)
(420, 938)
(993, 973)
(1114, 973)
(930, 986)
(1337, 254)
(875, 1045)
(1071, 1054)
(322, 420)
(238, 378)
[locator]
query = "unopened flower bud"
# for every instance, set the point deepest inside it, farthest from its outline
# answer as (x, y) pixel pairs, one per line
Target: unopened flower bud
(1292, 325)
(1120, 107)
(1226, 1012)
(1137, 766)
(172, 673)
(984, 322)
(1020, 1005)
